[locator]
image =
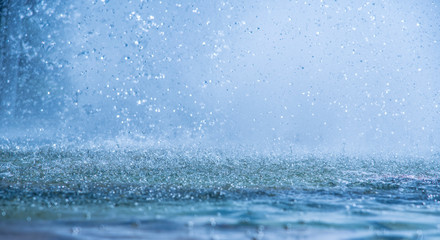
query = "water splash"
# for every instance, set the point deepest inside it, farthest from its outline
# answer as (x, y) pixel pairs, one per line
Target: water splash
(229, 120)
(179, 193)
(325, 76)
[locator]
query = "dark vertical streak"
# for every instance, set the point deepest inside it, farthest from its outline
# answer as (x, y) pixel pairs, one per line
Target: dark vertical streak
(4, 15)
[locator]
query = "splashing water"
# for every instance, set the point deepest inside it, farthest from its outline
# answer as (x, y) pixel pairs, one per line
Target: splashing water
(340, 76)
(180, 193)
(219, 120)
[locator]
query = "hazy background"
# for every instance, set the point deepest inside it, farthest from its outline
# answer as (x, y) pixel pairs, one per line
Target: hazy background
(320, 76)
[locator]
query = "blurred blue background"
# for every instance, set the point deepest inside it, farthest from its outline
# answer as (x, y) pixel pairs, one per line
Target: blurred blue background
(322, 76)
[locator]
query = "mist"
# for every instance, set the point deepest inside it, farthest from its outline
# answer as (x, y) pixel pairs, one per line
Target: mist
(322, 76)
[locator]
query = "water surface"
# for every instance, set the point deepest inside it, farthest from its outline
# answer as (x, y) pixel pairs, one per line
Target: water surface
(178, 193)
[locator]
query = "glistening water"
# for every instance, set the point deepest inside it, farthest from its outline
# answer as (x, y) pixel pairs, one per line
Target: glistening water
(219, 119)
(58, 193)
